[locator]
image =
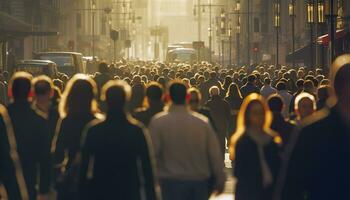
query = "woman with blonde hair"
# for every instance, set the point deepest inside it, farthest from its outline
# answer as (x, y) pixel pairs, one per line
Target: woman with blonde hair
(77, 108)
(254, 150)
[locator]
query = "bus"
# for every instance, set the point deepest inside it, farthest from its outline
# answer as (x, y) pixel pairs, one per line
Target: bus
(185, 55)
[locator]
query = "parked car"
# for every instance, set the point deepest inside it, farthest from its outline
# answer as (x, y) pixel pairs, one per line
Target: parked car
(69, 63)
(37, 67)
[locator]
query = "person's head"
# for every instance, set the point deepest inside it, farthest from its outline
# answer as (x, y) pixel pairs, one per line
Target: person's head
(195, 98)
(116, 94)
(213, 75)
(214, 91)
(103, 67)
(178, 93)
(304, 105)
(20, 86)
(79, 97)
(309, 86)
(136, 80)
(43, 88)
(340, 73)
(234, 91)
(281, 86)
(154, 92)
(300, 84)
(254, 113)
(323, 93)
(267, 81)
(251, 79)
(275, 103)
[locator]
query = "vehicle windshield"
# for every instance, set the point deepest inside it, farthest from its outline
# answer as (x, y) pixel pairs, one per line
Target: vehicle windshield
(184, 57)
(60, 60)
(34, 69)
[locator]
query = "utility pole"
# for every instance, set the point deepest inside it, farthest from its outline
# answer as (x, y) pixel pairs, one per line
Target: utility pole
(248, 31)
(199, 20)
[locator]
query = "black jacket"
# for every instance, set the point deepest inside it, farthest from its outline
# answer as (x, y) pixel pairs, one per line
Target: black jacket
(145, 115)
(319, 164)
(247, 169)
(248, 89)
(66, 146)
(11, 174)
(282, 127)
(33, 144)
(117, 162)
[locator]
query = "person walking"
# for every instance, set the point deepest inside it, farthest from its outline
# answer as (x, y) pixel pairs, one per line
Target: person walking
(318, 164)
(116, 158)
(279, 124)
(250, 86)
(32, 135)
(154, 95)
(77, 108)
(190, 163)
(254, 151)
(12, 182)
(220, 112)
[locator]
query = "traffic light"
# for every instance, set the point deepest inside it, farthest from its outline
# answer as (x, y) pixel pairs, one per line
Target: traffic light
(114, 34)
(223, 22)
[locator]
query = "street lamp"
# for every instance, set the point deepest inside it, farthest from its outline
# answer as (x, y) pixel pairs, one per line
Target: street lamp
(310, 21)
(93, 7)
(277, 25)
(291, 11)
(223, 31)
(331, 15)
(230, 45)
(238, 30)
(210, 39)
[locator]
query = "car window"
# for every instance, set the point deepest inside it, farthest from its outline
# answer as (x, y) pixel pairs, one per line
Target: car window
(60, 60)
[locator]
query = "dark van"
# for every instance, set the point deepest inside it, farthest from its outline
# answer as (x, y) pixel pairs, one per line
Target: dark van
(68, 63)
(37, 67)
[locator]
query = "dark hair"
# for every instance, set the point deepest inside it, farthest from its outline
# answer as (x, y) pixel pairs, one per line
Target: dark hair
(251, 78)
(42, 85)
(281, 86)
(275, 103)
(234, 91)
(154, 91)
(79, 97)
(267, 81)
(300, 83)
(178, 92)
(341, 79)
(21, 85)
(323, 92)
(103, 67)
(116, 94)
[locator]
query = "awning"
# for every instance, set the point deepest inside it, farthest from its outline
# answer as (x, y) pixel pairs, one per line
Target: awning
(300, 55)
(324, 39)
(10, 23)
(12, 27)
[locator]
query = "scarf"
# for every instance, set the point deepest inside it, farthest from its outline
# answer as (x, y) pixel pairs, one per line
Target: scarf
(261, 140)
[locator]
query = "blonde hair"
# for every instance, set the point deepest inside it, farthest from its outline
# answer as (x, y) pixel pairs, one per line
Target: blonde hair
(79, 97)
(242, 121)
(304, 95)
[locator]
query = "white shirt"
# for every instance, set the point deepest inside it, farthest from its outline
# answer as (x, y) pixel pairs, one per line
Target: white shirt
(267, 90)
(186, 146)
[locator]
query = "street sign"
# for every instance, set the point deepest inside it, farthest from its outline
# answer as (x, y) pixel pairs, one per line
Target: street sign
(114, 34)
(127, 43)
(198, 44)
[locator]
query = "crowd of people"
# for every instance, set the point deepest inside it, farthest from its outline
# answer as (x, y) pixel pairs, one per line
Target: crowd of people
(150, 130)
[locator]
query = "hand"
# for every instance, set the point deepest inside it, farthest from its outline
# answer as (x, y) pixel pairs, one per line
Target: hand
(42, 197)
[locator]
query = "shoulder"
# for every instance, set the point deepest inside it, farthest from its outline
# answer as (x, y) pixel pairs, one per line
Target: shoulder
(314, 127)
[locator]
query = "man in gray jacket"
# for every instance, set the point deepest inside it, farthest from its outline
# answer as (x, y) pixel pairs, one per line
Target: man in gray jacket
(190, 163)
